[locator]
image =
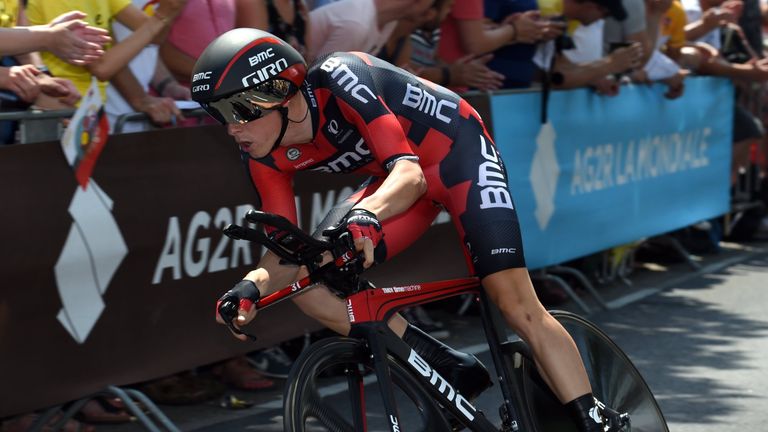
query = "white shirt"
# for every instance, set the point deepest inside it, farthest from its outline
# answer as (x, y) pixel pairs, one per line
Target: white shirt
(347, 25)
(694, 13)
(589, 47)
(142, 66)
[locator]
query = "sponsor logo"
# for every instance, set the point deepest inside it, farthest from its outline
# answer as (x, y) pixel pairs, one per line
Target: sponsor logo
(188, 251)
(493, 192)
(293, 153)
(425, 102)
(265, 73)
(347, 80)
(304, 164)
(199, 88)
(90, 257)
(345, 161)
(423, 368)
(201, 75)
(333, 127)
(395, 424)
(401, 289)
(350, 311)
(503, 251)
(260, 57)
(311, 94)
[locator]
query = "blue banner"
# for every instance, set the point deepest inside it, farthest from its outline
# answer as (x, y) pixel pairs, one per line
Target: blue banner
(606, 171)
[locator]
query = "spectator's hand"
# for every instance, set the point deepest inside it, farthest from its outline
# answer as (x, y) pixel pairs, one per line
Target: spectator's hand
(675, 85)
(176, 91)
(625, 59)
(74, 41)
(21, 80)
(606, 86)
(736, 7)
(639, 76)
(472, 71)
(716, 17)
(161, 110)
(530, 28)
(170, 8)
(60, 88)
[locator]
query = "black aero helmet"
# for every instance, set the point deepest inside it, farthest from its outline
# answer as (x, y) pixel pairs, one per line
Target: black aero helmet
(244, 74)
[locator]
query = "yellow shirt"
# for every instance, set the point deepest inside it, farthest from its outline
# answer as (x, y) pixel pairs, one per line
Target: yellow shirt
(554, 8)
(100, 14)
(673, 26)
(9, 12)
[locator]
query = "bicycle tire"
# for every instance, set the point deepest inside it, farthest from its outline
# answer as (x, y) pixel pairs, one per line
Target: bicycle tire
(304, 406)
(614, 379)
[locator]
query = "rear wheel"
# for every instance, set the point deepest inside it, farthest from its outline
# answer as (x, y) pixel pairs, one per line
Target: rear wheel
(332, 387)
(615, 381)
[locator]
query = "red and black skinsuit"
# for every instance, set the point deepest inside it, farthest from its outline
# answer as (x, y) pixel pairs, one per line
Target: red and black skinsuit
(368, 114)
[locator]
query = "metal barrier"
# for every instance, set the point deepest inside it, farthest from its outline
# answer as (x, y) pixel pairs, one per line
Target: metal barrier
(42, 126)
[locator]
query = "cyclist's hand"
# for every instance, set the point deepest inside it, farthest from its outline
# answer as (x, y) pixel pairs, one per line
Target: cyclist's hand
(365, 229)
(236, 306)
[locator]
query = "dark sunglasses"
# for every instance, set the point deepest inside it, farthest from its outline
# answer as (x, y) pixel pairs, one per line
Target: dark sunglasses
(251, 104)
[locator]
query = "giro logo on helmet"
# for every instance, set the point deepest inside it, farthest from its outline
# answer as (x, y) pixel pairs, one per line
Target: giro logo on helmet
(265, 73)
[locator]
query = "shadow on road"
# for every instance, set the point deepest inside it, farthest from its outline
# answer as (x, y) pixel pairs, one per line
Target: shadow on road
(678, 337)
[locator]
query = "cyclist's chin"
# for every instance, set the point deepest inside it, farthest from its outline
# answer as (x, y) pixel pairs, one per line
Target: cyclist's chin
(257, 151)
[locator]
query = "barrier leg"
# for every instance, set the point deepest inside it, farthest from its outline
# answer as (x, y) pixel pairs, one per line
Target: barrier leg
(678, 247)
(156, 412)
(583, 280)
(543, 275)
(133, 408)
(44, 418)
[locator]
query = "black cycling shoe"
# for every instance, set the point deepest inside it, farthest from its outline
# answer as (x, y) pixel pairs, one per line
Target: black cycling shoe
(464, 371)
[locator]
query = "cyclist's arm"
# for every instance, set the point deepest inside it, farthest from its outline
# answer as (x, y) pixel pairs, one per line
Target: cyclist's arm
(402, 187)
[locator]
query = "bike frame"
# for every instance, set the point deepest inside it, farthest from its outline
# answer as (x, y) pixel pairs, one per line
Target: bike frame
(369, 311)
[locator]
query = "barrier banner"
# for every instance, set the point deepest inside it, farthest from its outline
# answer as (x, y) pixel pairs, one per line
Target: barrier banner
(606, 171)
(116, 283)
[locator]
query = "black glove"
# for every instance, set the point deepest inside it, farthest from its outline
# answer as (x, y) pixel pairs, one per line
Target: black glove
(362, 223)
(241, 297)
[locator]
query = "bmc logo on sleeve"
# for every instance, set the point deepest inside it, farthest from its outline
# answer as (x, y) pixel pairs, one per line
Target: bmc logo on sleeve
(347, 79)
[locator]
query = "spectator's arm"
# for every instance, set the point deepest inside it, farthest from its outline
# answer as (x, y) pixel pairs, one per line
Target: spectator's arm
(177, 62)
(477, 38)
(166, 85)
(710, 20)
(579, 75)
(251, 13)
(159, 110)
(145, 31)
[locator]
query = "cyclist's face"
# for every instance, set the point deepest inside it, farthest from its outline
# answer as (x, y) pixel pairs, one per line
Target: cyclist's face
(258, 136)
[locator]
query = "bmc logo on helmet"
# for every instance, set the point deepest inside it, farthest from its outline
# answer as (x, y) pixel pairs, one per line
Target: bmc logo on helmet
(265, 73)
(201, 75)
(260, 57)
(347, 79)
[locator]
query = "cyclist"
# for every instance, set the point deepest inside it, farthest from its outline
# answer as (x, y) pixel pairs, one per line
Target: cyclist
(425, 148)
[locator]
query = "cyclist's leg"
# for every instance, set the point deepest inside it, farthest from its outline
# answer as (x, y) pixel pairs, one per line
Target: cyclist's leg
(465, 371)
(481, 206)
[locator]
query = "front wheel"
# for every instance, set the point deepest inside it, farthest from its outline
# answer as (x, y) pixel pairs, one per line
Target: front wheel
(332, 387)
(614, 379)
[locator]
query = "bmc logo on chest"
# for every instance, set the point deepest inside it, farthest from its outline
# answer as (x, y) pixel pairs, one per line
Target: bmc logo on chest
(423, 101)
(347, 79)
(345, 161)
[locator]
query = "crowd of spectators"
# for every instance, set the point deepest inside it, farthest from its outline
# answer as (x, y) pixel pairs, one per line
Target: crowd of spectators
(142, 52)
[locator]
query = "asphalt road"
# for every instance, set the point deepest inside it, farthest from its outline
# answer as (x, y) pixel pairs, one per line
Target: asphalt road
(700, 339)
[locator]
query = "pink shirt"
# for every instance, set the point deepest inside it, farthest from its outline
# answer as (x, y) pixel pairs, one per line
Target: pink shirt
(450, 44)
(200, 23)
